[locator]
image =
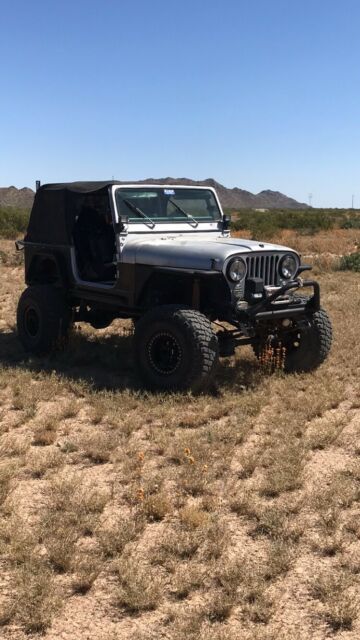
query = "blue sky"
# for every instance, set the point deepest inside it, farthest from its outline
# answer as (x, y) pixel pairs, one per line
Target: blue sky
(257, 94)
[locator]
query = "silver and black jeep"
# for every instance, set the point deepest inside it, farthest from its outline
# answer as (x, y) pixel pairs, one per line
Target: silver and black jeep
(164, 256)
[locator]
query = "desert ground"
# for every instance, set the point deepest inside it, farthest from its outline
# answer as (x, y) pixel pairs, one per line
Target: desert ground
(225, 516)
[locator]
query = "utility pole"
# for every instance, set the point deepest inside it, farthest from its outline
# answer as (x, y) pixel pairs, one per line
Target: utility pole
(310, 199)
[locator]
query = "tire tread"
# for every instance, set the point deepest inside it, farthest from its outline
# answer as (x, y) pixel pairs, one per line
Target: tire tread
(56, 317)
(203, 341)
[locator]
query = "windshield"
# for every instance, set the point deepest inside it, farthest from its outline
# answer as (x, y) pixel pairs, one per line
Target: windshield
(161, 205)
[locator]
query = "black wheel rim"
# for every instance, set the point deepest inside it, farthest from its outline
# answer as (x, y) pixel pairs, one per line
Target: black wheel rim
(31, 322)
(164, 353)
(293, 341)
(299, 338)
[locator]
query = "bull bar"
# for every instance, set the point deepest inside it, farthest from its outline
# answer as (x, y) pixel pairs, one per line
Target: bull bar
(267, 309)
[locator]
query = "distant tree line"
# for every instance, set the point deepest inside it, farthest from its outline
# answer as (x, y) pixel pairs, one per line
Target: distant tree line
(261, 224)
(265, 224)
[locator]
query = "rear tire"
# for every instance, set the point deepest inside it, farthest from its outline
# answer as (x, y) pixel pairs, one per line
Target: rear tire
(306, 347)
(43, 319)
(175, 349)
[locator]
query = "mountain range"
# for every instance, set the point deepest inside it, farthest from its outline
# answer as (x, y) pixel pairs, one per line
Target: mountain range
(234, 198)
(13, 197)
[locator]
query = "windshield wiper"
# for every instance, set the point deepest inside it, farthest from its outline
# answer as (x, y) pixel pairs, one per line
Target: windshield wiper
(192, 221)
(150, 223)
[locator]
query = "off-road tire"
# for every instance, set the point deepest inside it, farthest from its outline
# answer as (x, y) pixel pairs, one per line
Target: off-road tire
(43, 319)
(314, 339)
(175, 349)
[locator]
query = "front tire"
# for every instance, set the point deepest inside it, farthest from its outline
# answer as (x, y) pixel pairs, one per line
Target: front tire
(305, 347)
(175, 349)
(43, 318)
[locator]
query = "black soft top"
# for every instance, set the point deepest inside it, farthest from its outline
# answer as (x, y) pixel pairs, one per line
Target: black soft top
(56, 207)
(77, 187)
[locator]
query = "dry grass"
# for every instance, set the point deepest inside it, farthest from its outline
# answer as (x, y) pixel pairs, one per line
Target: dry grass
(12, 446)
(19, 539)
(284, 464)
(116, 532)
(228, 515)
(73, 512)
(138, 588)
(98, 446)
(39, 461)
(178, 544)
(335, 241)
(324, 433)
(156, 506)
(334, 591)
(45, 431)
(36, 598)
(192, 517)
(86, 567)
(187, 578)
(6, 475)
(247, 580)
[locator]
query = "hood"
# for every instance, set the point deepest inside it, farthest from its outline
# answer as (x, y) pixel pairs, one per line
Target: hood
(190, 251)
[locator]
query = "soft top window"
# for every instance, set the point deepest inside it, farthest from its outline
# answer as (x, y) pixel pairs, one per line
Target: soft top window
(57, 206)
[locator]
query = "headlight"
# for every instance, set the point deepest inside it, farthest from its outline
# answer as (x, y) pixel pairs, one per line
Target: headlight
(288, 267)
(236, 270)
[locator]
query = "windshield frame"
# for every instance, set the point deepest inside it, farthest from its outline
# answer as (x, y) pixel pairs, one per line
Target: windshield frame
(181, 224)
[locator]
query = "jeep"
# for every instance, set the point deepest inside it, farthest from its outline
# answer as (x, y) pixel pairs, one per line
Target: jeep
(163, 256)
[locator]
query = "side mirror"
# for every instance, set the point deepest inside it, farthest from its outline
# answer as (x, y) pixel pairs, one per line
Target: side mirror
(226, 223)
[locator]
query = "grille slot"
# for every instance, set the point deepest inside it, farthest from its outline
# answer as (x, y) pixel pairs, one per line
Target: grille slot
(263, 266)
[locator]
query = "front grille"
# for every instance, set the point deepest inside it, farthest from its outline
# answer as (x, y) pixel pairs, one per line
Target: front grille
(263, 266)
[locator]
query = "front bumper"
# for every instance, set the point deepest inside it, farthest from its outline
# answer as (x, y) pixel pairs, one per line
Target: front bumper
(277, 305)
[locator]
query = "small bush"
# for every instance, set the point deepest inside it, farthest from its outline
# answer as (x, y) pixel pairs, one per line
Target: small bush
(139, 590)
(192, 517)
(13, 222)
(6, 474)
(156, 506)
(36, 599)
(86, 568)
(73, 512)
(39, 461)
(99, 446)
(351, 223)
(351, 262)
(179, 543)
(115, 534)
(187, 578)
(339, 606)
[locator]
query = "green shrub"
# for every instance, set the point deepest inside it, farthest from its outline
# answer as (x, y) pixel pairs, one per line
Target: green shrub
(13, 222)
(351, 262)
(264, 229)
(265, 224)
(351, 223)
